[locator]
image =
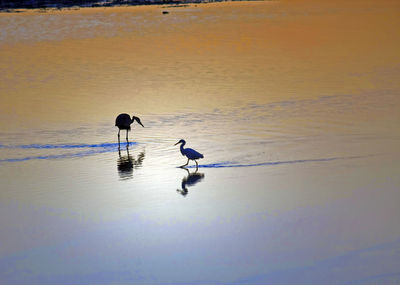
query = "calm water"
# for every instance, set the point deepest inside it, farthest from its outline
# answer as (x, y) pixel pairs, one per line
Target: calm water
(295, 107)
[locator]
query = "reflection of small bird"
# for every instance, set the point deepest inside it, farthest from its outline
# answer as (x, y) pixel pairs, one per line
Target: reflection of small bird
(124, 121)
(190, 180)
(191, 154)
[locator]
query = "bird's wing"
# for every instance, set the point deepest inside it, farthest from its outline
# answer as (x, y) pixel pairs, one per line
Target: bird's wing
(191, 153)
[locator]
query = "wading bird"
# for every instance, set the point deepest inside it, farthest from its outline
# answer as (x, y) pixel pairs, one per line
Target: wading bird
(191, 154)
(124, 121)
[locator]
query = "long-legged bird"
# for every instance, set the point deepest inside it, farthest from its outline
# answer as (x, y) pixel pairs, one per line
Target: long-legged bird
(191, 154)
(124, 121)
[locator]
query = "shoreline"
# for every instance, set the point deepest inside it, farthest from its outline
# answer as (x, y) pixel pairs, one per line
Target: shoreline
(49, 5)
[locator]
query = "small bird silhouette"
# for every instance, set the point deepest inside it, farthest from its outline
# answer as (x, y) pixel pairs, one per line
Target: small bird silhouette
(124, 121)
(191, 154)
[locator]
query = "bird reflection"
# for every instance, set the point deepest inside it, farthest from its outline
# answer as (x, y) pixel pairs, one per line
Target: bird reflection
(190, 180)
(126, 163)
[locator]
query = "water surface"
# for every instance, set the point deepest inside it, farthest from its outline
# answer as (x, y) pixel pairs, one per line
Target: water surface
(295, 107)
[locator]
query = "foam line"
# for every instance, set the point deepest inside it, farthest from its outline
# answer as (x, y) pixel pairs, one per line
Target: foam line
(233, 164)
(95, 149)
(57, 156)
(66, 146)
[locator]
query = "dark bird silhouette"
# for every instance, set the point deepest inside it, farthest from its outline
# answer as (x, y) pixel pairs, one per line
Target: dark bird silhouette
(124, 121)
(191, 154)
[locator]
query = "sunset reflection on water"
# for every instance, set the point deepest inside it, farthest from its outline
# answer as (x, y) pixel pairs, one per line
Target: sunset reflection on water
(295, 107)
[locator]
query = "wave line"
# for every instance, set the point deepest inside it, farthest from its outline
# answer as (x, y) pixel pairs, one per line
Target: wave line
(95, 149)
(234, 164)
(66, 146)
(56, 156)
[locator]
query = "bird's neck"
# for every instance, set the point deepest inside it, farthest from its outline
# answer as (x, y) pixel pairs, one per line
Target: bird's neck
(181, 147)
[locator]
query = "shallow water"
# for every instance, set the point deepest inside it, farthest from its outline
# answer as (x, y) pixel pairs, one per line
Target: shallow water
(295, 107)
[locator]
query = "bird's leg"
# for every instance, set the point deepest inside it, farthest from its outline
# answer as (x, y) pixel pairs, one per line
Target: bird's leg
(183, 192)
(118, 138)
(186, 163)
(127, 137)
(197, 165)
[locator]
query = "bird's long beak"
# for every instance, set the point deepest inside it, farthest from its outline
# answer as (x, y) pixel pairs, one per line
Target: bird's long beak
(141, 124)
(176, 143)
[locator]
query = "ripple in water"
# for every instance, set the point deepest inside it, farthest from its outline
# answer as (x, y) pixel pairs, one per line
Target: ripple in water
(93, 149)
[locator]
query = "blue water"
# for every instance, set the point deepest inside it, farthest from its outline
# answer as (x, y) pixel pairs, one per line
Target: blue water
(67, 146)
(93, 149)
(271, 163)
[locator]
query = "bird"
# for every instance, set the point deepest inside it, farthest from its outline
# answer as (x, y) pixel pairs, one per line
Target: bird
(124, 121)
(191, 154)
